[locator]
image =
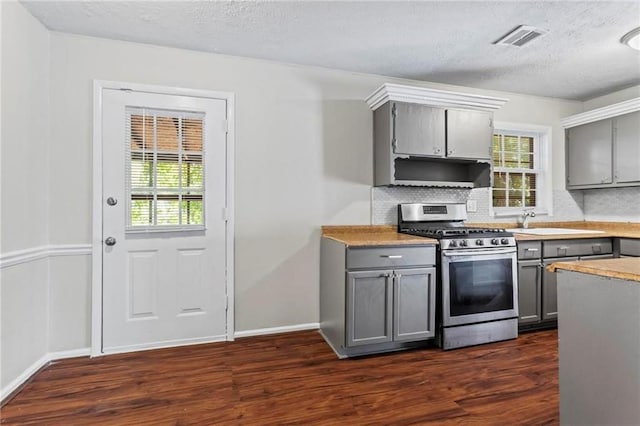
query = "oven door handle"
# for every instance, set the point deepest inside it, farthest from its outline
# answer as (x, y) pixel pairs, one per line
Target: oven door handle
(453, 253)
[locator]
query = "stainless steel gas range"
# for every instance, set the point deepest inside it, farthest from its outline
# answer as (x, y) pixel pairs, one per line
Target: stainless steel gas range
(477, 274)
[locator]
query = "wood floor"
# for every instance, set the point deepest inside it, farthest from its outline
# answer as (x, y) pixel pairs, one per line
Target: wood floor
(296, 379)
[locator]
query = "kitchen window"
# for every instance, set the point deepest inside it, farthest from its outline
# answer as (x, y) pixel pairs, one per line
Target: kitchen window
(520, 169)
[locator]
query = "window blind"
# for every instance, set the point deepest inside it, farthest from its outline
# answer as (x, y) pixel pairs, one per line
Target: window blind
(164, 179)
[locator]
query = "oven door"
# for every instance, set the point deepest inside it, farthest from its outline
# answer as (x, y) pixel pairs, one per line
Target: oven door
(479, 285)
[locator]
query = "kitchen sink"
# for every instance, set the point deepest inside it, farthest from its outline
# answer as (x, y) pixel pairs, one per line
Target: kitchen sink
(553, 231)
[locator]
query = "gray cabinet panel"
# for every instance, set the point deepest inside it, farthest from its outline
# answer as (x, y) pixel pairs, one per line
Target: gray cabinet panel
(369, 304)
(627, 147)
(390, 257)
(589, 154)
(414, 304)
(577, 247)
(469, 134)
(529, 291)
(550, 289)
(529, 250)
(629, 247)
(418, 129)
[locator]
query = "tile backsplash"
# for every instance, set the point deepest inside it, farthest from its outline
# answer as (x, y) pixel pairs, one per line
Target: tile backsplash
(567, 206)
(611, 204)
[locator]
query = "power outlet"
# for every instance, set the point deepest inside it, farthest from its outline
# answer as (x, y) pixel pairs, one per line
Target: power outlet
(472, 206)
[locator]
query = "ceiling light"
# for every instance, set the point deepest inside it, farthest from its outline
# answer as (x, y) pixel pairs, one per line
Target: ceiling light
(520, 36)
(632, 39)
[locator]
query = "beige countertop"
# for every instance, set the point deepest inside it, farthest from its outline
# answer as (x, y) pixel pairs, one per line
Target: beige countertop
(380, 235)
(372, 235)
(626, 268)
(607, 229)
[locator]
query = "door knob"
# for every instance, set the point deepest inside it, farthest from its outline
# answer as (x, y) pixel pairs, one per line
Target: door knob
(112, 201)
(110, 241)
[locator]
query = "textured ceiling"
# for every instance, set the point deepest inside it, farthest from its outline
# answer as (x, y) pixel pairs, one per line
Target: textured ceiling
(446, 41)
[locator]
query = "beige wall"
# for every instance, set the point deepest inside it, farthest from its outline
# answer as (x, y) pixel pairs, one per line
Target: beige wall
(303, 158)
(24, 188)
(612, 98)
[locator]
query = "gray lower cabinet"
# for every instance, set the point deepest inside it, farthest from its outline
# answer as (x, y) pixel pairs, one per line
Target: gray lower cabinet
(529, 291)
(369, 298)
(537, 287)
(376, 299)
(628, 247)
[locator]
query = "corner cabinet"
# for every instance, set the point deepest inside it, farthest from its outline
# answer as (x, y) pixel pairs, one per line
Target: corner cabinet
(425, 137)
(537, 287)
(602, 147)
(376, 299)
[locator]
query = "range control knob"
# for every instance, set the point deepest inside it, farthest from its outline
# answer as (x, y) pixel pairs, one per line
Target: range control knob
(479, 242)
(453, 243)
(463, 243)
(504, 241)
(495, 242)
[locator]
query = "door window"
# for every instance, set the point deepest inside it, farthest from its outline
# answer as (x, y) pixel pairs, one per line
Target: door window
(165, 170)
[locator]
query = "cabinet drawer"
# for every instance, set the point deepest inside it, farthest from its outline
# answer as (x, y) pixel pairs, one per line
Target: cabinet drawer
(390, 257)
(582, 247)
(629, 247)
(529, 250)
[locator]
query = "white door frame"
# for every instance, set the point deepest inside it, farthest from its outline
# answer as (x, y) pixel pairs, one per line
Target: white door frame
(97, 249)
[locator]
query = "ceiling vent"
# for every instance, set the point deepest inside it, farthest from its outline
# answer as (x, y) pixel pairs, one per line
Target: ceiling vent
(521, 36)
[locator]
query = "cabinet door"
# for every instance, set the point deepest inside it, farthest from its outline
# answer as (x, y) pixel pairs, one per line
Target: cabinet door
(589, 154)
(469, 134)
(414, 304)
(418, 129)
(550, 289)
(529, 291)
(627, 148)
(369, 305)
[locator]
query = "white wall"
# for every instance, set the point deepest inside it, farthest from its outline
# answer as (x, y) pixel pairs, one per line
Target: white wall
(24, 182)
(303, 159)
(612, 98)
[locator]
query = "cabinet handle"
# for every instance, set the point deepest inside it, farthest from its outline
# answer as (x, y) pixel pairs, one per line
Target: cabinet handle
(451, 151)
(392, 256)
(531, 249)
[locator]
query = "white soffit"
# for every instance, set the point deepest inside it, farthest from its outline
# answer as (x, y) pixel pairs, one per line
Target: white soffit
(440, 98)
(632, 105)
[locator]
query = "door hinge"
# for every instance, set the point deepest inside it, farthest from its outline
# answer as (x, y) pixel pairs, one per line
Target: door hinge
(225, 126)
(226, 303)
(225, 214)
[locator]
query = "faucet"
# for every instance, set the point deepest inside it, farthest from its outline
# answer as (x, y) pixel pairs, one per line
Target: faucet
(525, 217)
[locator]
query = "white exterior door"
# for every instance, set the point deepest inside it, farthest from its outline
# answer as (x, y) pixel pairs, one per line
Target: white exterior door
(164, 228)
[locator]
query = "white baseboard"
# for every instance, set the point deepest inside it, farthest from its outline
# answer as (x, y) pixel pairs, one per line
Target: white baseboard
(33, 369)
(276, 330)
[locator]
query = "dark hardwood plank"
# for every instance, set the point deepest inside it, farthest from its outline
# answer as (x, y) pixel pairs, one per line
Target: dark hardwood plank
(296, 379)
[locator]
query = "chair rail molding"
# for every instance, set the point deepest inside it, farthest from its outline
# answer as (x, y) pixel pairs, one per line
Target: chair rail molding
(18, 257)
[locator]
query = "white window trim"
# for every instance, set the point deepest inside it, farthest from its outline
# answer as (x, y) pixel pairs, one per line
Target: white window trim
(544, 178)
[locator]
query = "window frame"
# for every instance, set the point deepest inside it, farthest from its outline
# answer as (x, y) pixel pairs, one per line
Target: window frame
(542, 158)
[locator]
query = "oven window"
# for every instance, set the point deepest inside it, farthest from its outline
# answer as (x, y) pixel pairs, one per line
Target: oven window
(480, 286)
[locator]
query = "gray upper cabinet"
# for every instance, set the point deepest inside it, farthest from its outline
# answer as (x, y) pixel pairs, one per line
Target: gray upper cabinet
(590, 154)
(418, 129)
(469, 134)
(603, 147)
(627, 148)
